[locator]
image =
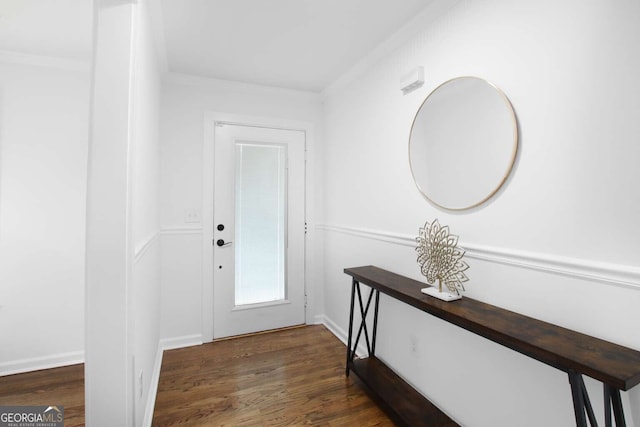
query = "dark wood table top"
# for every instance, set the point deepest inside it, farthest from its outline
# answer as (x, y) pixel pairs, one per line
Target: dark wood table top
(559, 347)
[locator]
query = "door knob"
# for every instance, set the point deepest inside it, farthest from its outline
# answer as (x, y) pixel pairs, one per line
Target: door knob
(222, 243)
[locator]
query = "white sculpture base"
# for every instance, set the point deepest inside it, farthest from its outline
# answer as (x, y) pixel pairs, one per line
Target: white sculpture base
(444, 296)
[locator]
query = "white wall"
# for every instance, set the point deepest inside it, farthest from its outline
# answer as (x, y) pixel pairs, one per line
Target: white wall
(43, 161)
(108, 356)
(145, 293)
(568, 213)
(123, 355)
(185, 101)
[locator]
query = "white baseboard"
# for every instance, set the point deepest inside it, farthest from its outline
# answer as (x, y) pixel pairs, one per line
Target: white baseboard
(334, 328)
(153, 389)
(341, 334)
(318, 320)
(39, 363)
(179, 342)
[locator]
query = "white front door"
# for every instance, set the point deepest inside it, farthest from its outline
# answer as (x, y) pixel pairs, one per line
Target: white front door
(259, 226)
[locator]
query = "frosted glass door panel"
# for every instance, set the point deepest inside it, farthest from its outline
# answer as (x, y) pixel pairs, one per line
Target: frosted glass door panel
(260, 234)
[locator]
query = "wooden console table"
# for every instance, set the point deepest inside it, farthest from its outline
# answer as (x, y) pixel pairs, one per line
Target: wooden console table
(617, 367)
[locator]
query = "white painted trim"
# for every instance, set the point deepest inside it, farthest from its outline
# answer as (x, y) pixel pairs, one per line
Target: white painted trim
(613, 274)
(10, 57)
(333, 328)
(207, 226)
(156, 16)
(341, 334)
(181, 230)
(433, 11)
(180, 342)
(318, 319)
(384, 236)
(153, 389)
(210, 118)
(212, 84)
(270, 122)
(39, 363)
(142, 249)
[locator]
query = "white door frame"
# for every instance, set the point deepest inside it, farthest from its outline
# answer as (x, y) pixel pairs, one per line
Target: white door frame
(207, 207)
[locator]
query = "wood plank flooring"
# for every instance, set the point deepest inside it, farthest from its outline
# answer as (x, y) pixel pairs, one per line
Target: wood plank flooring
(291, 377)
(60, 386)
(285, 378)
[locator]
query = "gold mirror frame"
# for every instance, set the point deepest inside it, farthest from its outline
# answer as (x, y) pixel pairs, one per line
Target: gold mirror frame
(508, 161)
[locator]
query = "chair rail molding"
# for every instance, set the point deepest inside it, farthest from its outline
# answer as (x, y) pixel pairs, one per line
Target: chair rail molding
(142, 249)
(612, 274)
(20, 58)
(181, 230)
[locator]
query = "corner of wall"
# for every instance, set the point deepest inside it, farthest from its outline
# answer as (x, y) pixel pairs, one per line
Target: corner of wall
(152, 391)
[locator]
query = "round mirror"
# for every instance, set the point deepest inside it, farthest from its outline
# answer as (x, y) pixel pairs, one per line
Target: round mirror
(463, 143)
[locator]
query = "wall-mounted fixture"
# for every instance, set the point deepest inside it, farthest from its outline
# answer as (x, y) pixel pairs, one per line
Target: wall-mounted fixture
(412, 80)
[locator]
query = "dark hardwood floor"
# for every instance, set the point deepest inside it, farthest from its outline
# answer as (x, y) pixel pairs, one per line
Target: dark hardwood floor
(49, 387)
(284, 378)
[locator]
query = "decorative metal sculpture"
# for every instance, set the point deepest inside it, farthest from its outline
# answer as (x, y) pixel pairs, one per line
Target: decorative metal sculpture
(440, 258)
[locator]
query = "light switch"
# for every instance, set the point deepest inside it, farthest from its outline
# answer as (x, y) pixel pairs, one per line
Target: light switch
(191, 216)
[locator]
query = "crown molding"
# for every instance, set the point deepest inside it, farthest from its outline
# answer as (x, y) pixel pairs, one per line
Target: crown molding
(432, 12)
(212, 84)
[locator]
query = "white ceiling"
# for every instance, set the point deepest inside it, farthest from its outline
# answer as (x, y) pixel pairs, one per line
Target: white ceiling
(296, 44)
